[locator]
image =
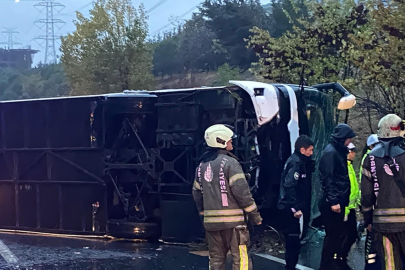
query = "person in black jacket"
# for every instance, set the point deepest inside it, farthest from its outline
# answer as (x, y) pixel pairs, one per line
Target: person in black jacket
(295, 195)
(336, 192)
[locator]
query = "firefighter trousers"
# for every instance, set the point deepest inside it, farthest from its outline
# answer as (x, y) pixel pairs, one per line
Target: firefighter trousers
(391, 249)
(236, 241)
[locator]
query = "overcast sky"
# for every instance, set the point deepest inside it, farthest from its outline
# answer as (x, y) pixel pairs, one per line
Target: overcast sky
(23, 14)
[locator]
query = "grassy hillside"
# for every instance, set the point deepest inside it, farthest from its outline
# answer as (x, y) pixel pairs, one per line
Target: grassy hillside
(195, 80)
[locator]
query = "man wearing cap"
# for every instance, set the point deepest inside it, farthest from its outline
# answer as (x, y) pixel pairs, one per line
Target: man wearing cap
(383, 192)
(350, 223)
(335, 180)
(222, 195)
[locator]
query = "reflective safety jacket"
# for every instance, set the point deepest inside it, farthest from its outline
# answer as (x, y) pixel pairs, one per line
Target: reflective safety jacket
(354, 189)
(222, 193)
(362, 161)
(382, 202)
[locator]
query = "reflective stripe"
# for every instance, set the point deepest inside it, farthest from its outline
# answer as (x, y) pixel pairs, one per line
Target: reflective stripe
(231, 212)
(250, 208)
(224, 219)
(366, 173)
(370, 256)
(244, 259)
(389, 254)
(196, 186)
(389, 211)
(388, 219)
(371, 261)
(236, 177)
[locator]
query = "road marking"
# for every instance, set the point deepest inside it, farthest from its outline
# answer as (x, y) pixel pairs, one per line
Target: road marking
(204, 253)
(281, 261)
(60, 235)
(6, 253)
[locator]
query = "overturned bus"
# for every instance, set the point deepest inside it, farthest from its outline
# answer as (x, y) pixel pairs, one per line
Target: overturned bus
(123, 164)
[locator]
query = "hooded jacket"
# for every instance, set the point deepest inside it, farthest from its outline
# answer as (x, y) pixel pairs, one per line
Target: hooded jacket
(222, 193)
(333, 169)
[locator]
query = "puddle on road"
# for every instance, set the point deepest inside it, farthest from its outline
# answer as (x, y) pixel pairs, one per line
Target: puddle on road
(41, 257)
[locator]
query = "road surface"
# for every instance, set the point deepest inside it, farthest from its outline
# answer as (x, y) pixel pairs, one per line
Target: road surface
(35, 252)
(46, 253)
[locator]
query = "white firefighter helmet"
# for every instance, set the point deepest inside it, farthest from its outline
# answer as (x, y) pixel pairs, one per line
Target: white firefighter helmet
(217, 136)
(390, 126)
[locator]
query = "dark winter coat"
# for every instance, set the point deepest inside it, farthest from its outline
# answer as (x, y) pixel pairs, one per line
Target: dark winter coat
(333, 170)
(295, 188)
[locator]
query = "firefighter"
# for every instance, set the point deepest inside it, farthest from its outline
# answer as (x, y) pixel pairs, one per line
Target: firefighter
(383, 192)
(295, 195)
(350, 223)
(336, 192)
(223, 197)
(372, 261)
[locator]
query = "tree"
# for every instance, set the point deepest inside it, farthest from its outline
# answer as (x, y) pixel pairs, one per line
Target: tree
(196, 45)
(361, 46)
(225, 74)
(39, 82)
(317, 52)
(286, 15)
(166, 59)
(379, 51)
(189, 49)
(231, 21)
(108, 51)
(47, 81)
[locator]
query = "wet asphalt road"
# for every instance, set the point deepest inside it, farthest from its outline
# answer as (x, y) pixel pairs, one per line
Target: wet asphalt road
(312, 250)
(46, 253)
(43, 253)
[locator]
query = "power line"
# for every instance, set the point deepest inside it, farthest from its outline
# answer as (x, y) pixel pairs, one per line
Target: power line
(158, 4)
(32, 26)
(177, 19)
(50, 6)
(10, 40)
(74, 11)
(50, 22)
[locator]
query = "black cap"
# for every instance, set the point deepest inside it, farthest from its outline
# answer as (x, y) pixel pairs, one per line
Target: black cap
(343, 132)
